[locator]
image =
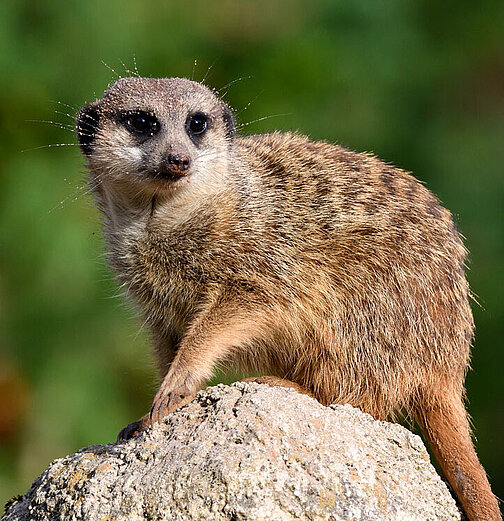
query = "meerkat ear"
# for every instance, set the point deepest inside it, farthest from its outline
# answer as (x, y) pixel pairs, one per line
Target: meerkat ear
(229, 121)
(87, 126)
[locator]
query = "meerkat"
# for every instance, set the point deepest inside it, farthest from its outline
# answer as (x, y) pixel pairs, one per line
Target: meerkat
(322, 268)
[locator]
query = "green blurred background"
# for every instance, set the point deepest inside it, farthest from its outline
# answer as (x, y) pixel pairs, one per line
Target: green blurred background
(419, 82)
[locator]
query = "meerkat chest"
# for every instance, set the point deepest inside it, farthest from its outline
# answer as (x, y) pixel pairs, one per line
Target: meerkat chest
(160, 268)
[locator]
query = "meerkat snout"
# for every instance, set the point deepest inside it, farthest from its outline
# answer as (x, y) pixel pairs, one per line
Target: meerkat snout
(176, 164)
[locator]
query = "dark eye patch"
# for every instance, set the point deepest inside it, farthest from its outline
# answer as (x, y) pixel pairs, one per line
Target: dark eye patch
(140, 123)
(87, 127)
(197, 124)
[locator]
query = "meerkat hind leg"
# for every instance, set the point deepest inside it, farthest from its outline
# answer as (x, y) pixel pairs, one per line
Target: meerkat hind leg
(275, 381)
(133, 429)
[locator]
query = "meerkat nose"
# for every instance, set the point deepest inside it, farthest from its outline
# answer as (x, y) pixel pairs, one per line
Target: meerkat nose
(178, 164)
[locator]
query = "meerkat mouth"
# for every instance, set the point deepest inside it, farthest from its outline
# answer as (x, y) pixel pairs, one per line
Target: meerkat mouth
(167, 177)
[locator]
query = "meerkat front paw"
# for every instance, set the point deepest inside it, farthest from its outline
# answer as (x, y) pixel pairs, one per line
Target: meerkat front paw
(169, 399)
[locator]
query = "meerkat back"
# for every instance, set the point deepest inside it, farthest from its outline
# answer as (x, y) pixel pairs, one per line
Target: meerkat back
(325, 269)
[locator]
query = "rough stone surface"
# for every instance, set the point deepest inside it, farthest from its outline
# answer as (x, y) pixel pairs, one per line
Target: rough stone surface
(247, 452)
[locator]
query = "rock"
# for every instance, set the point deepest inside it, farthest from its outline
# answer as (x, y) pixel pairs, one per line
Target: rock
(247, 452)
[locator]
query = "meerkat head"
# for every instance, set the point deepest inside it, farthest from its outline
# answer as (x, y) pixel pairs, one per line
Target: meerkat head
(155, 134)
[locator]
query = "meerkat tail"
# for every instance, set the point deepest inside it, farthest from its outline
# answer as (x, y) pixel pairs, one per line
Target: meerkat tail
(445, 424)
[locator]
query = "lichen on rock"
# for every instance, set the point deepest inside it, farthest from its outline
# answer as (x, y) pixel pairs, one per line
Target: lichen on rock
(247, 452)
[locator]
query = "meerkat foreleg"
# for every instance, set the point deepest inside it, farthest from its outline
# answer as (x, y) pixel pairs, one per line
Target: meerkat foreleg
(211, 339)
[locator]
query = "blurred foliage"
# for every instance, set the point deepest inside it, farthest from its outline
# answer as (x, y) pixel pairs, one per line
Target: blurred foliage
(419, 82)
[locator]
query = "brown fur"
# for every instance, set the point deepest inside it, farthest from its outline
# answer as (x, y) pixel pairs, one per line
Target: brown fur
(287, 257)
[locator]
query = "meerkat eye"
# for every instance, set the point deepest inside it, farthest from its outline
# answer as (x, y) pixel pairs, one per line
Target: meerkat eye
(197, 123)
(141, 124)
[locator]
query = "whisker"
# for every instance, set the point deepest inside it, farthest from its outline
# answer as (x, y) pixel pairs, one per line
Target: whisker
(73, 107)
(135, 65)
(129, 71)
(71, 116)
(64, 126)
(232, 82)
(207, 72)
(52, 145)
(118, 76)
(75, 196)
(262, 119)
(194, 69)
(250, 102)
(123, 66)
(92, 118)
